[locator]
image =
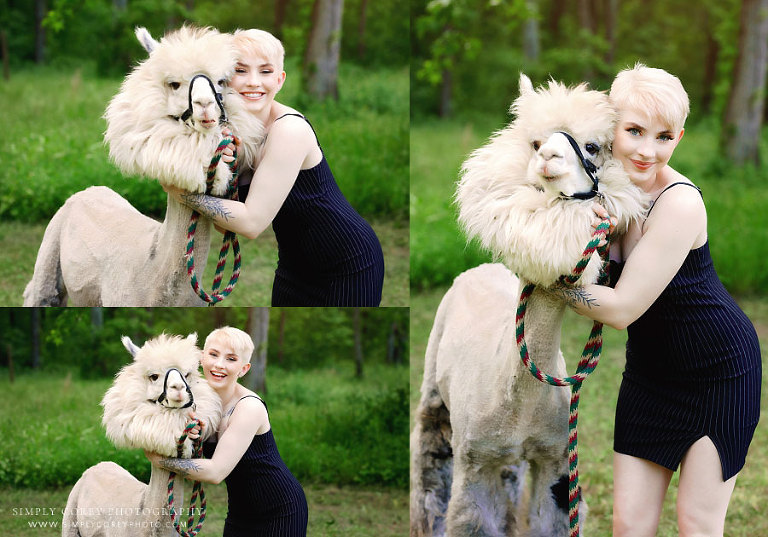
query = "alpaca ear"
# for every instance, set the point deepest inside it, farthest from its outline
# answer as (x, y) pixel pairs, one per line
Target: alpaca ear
(192, 338)
(146, 39)
(128, 344)
(526, 86)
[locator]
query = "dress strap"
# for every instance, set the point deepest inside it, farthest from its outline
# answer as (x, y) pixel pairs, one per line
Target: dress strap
(256, 396)
(653, 203)
(308, 123)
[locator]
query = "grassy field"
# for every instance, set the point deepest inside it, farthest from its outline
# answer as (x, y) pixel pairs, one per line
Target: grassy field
(333, 511)
(735, 199)
(746, 514)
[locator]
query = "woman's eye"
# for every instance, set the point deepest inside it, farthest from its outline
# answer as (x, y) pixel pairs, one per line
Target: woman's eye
(666, 137)
(633, 131)
(592, 148)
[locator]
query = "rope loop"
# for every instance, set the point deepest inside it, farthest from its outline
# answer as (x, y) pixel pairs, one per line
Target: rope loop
(230, 239)
(197, 488)
(590, 357)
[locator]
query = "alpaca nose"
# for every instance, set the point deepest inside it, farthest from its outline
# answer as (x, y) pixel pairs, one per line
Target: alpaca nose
(175, 381)
(549, 151)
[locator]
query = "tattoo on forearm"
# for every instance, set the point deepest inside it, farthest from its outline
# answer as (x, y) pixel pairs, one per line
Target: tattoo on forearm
(574, 296)
(182, 466)
(206, 205)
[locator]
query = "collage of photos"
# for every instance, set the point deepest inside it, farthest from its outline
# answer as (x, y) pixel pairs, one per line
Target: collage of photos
(383, 268)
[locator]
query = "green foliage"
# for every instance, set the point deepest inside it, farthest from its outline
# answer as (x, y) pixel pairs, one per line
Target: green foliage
(337, 431)
(735, 200)
(53, 145)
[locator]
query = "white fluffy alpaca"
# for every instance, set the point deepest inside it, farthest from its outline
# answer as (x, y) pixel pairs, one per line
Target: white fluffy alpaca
(98, 249)
(482, 418)
(145, 408)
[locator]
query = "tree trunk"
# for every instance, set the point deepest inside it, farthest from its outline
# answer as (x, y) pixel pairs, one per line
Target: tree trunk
(361, 23)
(395, 345)
(39, 31)
(556, 12)
(357, 327)
(611, 24)
(744, 113)
(97, 319)
(281, 8)
(35, 336)
(257, 327)
(11, 370)
(446, 94)
(321, 62)
(710, 67)
(281, 338)
(4, 52)
(531, 44)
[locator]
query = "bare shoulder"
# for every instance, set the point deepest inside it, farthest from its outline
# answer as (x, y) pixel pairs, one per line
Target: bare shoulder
(250, 415)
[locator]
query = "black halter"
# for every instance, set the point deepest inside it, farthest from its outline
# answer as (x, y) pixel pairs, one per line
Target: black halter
(163, 396)
(217, 95)
(588, 166)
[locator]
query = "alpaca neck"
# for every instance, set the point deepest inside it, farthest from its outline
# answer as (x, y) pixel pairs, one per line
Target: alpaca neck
(543, 321)
(155, 499)
(171, 246)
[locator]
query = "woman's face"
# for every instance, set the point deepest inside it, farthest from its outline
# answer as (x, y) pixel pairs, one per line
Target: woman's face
(257, 81)
(221, 365)
(644, 146)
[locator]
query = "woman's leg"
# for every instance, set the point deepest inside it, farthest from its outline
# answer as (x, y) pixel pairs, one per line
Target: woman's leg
(703, 496)
(639, 487)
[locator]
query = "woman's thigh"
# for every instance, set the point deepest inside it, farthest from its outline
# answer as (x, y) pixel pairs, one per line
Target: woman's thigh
(702, 496)
(639, 487)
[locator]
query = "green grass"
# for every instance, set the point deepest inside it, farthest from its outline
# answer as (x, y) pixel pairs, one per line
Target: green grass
(333, 511)
(735, 200)
(596, 412)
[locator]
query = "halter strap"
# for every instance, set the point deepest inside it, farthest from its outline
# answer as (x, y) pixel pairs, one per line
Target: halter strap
(589, 168)
(217, 95)
(162, 397)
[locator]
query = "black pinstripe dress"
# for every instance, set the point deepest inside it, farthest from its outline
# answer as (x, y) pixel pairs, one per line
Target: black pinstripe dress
(328, 255)
(693, 369)
(265, 499)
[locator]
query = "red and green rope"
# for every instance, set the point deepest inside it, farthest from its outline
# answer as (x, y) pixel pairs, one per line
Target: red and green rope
(197, 489)
(589, 360)
(229, 237)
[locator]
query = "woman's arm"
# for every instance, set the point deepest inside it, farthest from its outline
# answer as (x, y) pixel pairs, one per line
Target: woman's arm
(289, 142)
(678, 219)
(248, 419)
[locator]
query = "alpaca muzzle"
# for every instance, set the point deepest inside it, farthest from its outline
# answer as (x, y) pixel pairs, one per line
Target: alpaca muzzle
(164, 396)
(589, 168)
(216, 95)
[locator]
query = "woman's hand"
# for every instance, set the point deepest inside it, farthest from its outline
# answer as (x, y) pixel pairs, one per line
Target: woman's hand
(228, 155)
(196, 431)
(601, 214)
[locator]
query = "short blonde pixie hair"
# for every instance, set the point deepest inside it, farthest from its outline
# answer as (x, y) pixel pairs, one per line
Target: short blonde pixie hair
(653, 92)
(240, 341)
(260, 43)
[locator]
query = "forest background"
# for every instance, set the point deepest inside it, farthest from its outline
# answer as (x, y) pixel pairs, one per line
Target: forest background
(64, 59)
(466, 58)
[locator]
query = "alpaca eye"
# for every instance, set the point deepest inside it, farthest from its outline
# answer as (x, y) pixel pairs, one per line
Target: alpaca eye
(174, 85)
(153, 377)
(222, 82)
(536, 145)
(592, 148)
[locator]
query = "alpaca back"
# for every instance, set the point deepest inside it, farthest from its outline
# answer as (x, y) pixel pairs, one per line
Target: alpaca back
(132, 416)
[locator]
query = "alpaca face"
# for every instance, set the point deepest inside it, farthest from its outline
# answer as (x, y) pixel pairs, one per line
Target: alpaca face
(196, 92)
(169, 388)
(557, 168)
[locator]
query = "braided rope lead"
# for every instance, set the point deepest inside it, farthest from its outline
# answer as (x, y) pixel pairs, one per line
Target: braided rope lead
(589, 360)
(229, 237)
(197, 489)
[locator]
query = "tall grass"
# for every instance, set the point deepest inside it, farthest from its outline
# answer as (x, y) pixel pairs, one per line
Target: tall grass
(329, 427)
(51, 144)
(735, 198)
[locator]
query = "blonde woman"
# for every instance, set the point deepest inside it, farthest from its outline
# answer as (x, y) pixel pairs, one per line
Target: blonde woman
(690, 394)
(265, 499)
(328, 255)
